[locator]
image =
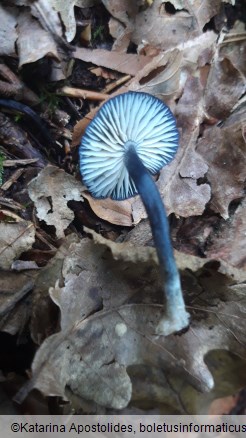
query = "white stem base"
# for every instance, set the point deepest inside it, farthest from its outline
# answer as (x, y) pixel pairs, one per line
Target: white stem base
(176, 318)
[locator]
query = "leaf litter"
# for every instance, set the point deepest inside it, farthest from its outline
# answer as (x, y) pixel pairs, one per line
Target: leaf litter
(109, 295)
(122, 325)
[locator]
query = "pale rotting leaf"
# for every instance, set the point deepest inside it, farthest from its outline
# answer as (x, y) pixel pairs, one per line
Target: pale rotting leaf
(50, 191)
(91, 355)
(66, 10)
(41, 39)
(8, 21)
(15, 238)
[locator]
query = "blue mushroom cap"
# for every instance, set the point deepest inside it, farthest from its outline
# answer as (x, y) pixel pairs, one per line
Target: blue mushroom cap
(130, 119)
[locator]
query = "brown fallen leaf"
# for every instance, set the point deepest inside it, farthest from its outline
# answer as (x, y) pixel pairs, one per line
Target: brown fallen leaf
(115, 212)
(50, 191)
(127, 63)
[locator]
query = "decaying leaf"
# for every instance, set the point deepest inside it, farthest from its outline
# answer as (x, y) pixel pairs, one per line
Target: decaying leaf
(161, 29)
(44, 312)
(15, 238)
(14, 310)
(230, 243)
(225, 85)
(66, 11)
(202, 12)
(50, 192)
(223, 150)
(109, 314)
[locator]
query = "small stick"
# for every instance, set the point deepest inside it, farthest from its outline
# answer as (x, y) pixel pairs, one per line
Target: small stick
(84, 94)
(12, 179)
(115, 84)
(22, 162)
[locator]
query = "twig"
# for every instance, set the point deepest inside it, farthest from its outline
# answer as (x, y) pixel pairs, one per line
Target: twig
(11, 204)
(115, 84)
(22, 162)
(12, 179)
(11, 214)
(84, 94)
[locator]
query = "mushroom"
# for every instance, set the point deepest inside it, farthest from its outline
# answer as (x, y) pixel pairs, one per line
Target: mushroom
(131, 138)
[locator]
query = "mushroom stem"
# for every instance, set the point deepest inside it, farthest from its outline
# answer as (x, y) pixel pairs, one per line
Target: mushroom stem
(176, 317)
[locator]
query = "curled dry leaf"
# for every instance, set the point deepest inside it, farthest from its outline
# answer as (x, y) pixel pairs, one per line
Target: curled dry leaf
(109, 314)
(66, 10)
(50, 191)
(115, 212)
(15, 238)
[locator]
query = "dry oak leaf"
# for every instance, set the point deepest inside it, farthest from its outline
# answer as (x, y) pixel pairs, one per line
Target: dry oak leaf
(15, 238)
(230, 243)
(178, 183)
(109, 314)
(50, 191)
(133, 250)
(163, 30)
(224, 151)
